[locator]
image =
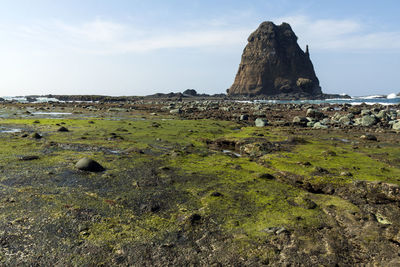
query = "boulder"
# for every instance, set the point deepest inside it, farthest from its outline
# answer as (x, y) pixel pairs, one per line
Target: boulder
(273, 63)
(261, 122)
(396, 126)
(63, 129)
(300, 120)
(368, 120)
(313, 113)
(175, 111)
(86, 164)
(244, 117)
(369, 137)
(345, 120)
(190, 92)
(319, 125)
(36, 136)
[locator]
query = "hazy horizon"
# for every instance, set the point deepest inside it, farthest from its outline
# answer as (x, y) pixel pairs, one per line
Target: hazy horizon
(141, 48)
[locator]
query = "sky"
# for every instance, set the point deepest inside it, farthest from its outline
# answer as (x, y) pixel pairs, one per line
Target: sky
(131, 47)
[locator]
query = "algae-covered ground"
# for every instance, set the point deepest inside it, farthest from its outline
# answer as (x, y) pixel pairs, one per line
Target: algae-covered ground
(181, 192)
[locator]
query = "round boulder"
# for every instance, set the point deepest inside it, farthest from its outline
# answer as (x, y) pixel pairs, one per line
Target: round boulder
(86, 164)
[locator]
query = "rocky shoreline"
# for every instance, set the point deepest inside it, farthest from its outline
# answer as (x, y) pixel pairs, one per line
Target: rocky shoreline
(186, 181)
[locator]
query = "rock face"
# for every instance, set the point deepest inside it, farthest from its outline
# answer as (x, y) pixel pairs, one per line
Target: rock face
(273, 63)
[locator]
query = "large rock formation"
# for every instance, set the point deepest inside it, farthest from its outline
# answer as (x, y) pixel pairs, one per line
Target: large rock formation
(273, 63)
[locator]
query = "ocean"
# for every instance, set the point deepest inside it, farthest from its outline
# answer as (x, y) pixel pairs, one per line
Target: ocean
(391, 99)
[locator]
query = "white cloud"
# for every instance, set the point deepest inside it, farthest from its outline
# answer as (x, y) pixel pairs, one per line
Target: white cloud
(344, 35)
(108, 37)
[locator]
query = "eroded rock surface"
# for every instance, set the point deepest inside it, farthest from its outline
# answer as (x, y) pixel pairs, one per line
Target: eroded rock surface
(273, 63)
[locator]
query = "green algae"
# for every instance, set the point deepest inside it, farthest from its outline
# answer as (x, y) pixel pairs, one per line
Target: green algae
(229, 193)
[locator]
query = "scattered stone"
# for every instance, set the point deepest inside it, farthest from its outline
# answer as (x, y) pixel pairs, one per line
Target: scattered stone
(265, 176)
(175, 111)
(86, 164)
(216, 194)
(259, 122)
(195, 219)
(369, 137)
(36, 136)
(396, 126)
(368, 120)
(319, 125)
(309, 204)
(244, 117)
(320, 170)
(347, 174)
(345, 120)
(62, 129)
(300, 120)
(315, 114)
(275, 230)
(27, 158)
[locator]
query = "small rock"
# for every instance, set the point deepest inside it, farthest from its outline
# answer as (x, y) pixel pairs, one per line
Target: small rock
(368, 120)
(313, 113)
(309, 204)
(244, 117)
(86, 164)
(266, 176)
(62, 129)
(261, 122)
(36, 136)
(175, 111)
(369, 137)
(319, 125)
(195, 218)
(396, 126)
(300, 120)
(321, 170)
(275, 230)
(216, 194)
(27, 158)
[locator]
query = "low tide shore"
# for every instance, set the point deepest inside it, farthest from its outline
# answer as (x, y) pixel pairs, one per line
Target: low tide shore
(199, 182)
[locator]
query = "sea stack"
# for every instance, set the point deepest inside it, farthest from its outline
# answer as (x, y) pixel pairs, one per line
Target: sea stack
(273, 63)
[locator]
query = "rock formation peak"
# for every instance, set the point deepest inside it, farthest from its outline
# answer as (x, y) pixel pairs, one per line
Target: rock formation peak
(273, 63)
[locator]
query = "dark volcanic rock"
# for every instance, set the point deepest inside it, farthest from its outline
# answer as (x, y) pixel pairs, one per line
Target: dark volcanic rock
(273, 63)
(190, 92)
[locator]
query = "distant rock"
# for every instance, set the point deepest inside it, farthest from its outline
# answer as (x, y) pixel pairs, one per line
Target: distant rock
(273, 63)
(190, 92)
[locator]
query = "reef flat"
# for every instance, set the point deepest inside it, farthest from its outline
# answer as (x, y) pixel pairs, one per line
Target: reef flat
(198, 183)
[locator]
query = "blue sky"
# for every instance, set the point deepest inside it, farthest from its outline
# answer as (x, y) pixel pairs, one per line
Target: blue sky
(142, 47)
